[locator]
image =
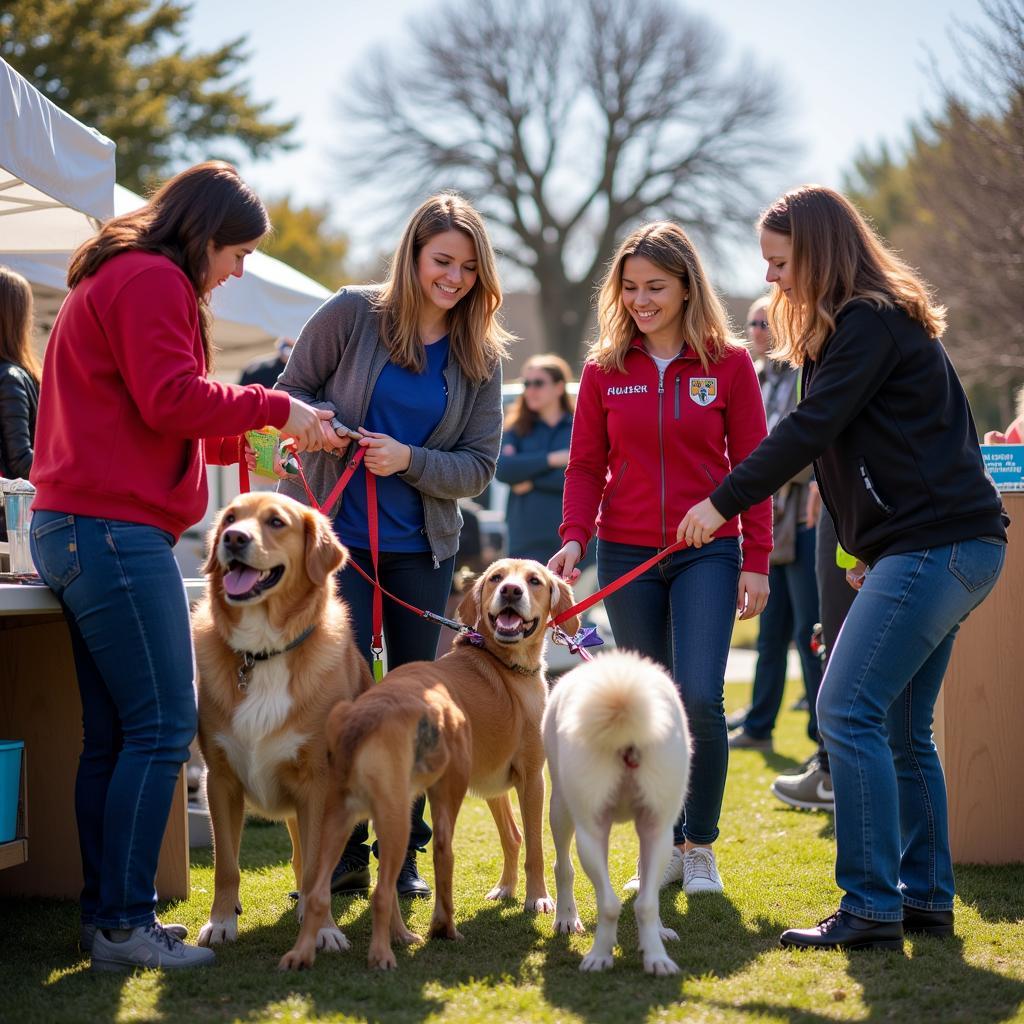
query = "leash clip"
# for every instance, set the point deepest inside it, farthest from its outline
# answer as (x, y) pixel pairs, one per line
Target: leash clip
(578, 643)
(245, 671)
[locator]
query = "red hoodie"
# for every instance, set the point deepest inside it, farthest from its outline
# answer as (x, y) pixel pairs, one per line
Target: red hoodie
(642, 455)
(127, 419)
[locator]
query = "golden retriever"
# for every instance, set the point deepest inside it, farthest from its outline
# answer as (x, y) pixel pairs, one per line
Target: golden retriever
(618, 749)
(470, 720)
(274, 652)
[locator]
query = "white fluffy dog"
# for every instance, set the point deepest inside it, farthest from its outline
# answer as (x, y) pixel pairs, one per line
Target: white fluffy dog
(618, 748)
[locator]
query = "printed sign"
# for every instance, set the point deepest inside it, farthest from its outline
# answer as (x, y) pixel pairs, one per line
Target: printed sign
(1004, 464)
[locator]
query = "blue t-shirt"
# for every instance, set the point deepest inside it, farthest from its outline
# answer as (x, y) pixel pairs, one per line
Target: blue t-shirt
(408, 406)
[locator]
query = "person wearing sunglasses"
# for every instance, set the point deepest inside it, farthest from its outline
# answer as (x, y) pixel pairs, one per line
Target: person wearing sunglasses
(534, 454)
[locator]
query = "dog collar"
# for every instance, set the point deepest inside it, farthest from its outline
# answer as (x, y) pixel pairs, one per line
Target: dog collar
(249, 658)
(474, 639)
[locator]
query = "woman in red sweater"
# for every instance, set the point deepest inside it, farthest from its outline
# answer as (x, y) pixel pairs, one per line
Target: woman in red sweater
(127, 422)
(668, 403)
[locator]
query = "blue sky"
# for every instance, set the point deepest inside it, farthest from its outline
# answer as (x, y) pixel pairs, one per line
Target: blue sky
(856, 73)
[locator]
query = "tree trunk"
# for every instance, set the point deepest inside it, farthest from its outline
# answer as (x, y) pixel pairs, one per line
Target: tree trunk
(565, 313)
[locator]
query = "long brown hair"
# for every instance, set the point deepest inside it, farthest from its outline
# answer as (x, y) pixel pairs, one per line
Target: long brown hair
(836, 258)
(520, 417)
(705, 323)
(207, 202)
(16, 323)
(476, 337)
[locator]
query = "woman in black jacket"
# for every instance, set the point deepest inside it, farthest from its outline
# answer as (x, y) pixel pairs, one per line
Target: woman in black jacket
(887, 425)
(19, 380)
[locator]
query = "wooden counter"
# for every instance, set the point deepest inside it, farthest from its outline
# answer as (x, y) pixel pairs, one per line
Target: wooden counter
(39, 704)
(979, 719)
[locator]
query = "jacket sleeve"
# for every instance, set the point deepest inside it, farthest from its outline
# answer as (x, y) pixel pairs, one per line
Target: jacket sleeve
(15, 425)
(467, 468)
(745, 428)
(588, 462)
(223, 451)
(150, 327)
(519, 466)
(854, 364)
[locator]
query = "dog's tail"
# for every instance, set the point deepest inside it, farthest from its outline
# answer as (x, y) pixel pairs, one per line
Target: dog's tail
(616, 703)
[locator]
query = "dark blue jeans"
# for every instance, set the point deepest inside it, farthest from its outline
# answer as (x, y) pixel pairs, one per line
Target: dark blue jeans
(680, 613)
(413, 578)
(127, 612)
(790, 614)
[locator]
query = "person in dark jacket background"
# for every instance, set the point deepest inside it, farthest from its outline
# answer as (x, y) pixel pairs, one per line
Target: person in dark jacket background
(19, 380)
(266, 371)
(886, 422)
(534, 454)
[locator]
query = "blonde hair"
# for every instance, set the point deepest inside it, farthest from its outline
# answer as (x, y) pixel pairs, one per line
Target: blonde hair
(521, 418)
(705, 323)
(836, 258)
(16, 310)
(477, 339)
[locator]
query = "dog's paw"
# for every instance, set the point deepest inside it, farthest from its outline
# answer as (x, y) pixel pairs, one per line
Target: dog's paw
(445, 930)
(296, 960)
(406, 937)
(597, 962)
(667, 934)
(501, 892)
(381, 959)
(332, 940)
(568, 925)
(541, 905)
(216, 932)
(661, 966)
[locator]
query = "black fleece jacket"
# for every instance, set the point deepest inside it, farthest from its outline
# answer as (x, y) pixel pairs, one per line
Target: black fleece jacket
(19, 401)
(886, 423)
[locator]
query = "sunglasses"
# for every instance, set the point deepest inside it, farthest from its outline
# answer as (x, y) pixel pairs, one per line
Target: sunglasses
(763, 324)
(538, 383)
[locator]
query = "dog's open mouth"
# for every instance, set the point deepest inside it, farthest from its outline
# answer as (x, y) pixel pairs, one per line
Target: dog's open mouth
(509, 626)
(242, 582)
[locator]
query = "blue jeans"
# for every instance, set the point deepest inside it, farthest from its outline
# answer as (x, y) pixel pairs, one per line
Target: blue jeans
(875, 714)
(680, 613)
(790, 614)
(127, 612)
(413, 578)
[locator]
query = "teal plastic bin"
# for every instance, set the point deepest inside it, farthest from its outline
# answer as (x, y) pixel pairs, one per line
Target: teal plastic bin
(10, 787)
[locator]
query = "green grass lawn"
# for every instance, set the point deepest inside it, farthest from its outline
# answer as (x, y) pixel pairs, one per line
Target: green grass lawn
(777, 866)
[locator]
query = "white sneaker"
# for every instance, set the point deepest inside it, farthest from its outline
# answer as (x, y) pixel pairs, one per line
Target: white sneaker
(148, 946)
(700, 872)
(673, 873)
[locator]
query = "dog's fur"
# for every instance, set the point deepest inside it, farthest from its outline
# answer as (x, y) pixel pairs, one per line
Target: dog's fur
(264, 742)
(470, 720)
(618, 749)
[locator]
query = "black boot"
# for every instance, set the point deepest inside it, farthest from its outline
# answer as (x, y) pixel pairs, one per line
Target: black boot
(409, 882)
(350, 875)
(846, 931)
(937, 923)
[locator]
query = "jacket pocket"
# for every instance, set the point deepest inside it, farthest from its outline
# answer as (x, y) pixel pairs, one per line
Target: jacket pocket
(976, 562)
(869, 486)
(56, 548)
(610, 491)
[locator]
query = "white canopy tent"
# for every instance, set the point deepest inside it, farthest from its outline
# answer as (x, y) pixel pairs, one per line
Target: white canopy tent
(57, 183)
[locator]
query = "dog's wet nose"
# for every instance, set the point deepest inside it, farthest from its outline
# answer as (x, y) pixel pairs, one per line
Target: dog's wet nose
(511, 591)
(235, 540)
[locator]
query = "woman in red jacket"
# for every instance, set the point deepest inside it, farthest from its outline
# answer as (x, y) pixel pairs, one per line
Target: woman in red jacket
(668, 403)
(127, 422)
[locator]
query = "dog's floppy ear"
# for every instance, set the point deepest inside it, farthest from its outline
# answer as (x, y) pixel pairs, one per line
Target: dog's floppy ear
(469, 610)
(324, 552)
(562, 600)
(212, 564)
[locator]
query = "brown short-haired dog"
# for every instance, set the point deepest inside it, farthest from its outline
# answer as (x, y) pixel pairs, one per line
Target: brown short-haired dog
(469, 720)
(274, 652)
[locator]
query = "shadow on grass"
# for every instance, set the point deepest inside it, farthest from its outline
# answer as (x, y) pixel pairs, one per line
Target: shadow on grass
(992, 890)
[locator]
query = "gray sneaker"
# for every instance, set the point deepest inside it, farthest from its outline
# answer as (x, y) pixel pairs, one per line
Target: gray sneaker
(148, 946)
(87, 932)
(740, 739)
(811, 790)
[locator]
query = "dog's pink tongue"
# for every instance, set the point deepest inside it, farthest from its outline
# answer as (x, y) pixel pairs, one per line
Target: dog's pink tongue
(509, 620)
(240, 580)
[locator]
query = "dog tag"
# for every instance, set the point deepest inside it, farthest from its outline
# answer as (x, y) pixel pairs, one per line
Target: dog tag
(245, 671)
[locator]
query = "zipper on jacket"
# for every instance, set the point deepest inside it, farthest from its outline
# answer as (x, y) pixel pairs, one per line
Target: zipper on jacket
(661, 435)
(678, 382)
(704, 466)
(870, 488)
(615, 486)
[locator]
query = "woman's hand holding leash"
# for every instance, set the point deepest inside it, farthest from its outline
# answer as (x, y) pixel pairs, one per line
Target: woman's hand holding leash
(384, 455)
(306, 425)
(698, 526)
(563, 562)
(855, 576)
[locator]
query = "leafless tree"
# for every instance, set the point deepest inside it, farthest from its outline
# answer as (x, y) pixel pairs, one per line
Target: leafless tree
(568, 121)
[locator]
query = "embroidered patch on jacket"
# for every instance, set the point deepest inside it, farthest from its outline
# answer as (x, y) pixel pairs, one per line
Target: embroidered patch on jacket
(703, 390)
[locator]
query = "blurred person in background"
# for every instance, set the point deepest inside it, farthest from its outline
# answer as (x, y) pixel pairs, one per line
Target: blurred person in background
(1014, 433)
(266, 371)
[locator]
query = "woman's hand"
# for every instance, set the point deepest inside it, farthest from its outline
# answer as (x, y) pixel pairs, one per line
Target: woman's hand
(698, 526)
(279, 470)
(855, 576)
(752, 594)
(563, 562)
(558, 459)
(384, 455)
(523, 487)
(813, 509)
(307, 425)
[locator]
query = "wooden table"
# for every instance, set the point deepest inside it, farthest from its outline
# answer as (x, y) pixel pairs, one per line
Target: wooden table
(39, 704)
(979, 719)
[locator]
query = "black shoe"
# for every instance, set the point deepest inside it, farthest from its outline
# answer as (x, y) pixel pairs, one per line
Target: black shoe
(937, 923)
(409, 882)
(846, 931)
(350, 876)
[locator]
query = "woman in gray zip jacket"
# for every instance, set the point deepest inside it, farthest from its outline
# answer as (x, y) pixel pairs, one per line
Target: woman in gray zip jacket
(413, 370)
